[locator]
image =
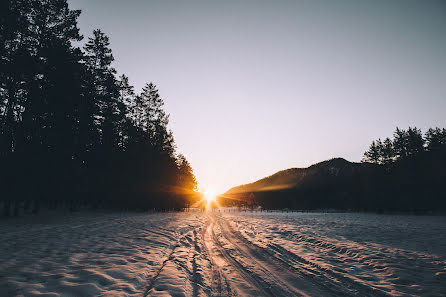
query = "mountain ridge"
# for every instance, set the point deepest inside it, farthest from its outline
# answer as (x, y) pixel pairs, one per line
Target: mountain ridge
(293, 177)
(413, 184)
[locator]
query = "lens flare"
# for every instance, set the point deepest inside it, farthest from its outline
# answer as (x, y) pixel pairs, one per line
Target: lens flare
(209, 195)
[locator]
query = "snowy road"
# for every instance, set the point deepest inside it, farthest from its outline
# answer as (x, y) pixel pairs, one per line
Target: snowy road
(222, 254)
(249, 269)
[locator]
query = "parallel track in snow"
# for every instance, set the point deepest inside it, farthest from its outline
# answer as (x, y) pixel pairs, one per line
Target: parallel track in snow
(152, 281)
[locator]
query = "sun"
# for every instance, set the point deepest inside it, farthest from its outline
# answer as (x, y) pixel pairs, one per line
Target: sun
(209, 195)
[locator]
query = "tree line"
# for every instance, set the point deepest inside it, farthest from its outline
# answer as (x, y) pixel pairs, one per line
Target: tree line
(402, 174)
(72, 132)
(405, 144)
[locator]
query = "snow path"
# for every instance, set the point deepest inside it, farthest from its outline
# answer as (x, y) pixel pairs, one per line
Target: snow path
(221, 254)
(268, 276)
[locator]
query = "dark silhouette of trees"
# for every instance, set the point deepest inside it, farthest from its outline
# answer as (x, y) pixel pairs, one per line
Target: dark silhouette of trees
(109, 109)
(380, 152)
(72, 133)
(387, 152)
(400, 144)
(404, 174)
(415, 141)
(37, 62)
(373, 155)
(435, 139)
(186, 177)
(405, 144)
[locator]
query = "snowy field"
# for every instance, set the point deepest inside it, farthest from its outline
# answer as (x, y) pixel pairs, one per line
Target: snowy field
(223, 254)
(357, 254)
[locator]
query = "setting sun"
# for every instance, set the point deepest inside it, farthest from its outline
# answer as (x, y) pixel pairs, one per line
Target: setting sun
(209, 195)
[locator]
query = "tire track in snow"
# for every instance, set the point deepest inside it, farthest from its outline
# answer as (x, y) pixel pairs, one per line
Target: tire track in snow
(219, 283)
(280, 287)
(345, 285)
(252, 279)
(195, 266)
(284, 281)
(339, 284)
(170, 256)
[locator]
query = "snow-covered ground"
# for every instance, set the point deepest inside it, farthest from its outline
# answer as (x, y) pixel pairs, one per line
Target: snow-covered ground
(358, 254)
(90, 255)
(223, 254)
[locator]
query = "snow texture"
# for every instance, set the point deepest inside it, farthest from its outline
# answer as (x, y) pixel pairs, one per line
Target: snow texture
(223, 253)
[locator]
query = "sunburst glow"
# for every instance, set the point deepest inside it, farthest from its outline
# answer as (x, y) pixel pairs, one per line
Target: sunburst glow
(209, 195)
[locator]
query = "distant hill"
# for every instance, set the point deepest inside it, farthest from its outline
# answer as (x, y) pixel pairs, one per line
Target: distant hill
(412, 185)
(296, 177)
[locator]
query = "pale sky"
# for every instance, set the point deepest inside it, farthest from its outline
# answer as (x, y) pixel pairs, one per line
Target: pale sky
(253, 87)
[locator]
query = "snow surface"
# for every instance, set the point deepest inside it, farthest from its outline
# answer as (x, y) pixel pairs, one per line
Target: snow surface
(223, 253)
(361, 254)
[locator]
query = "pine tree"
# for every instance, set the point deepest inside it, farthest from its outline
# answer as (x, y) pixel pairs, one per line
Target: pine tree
(38, 74)
(162, 138)
(18, 52)
(435, 138)
(127, 95)
(127, 103)
(108, 109)
(373, 154)
(380, 149)
(415, 141)
(400, 144)
(153, 120)
(68, 123)
(186, 176)
(387, 153)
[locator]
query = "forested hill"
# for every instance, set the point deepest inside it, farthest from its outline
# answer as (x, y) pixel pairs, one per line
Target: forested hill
(295, 177)
(404, 174)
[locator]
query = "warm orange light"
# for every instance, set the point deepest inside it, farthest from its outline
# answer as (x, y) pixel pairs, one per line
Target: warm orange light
(209, 195)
